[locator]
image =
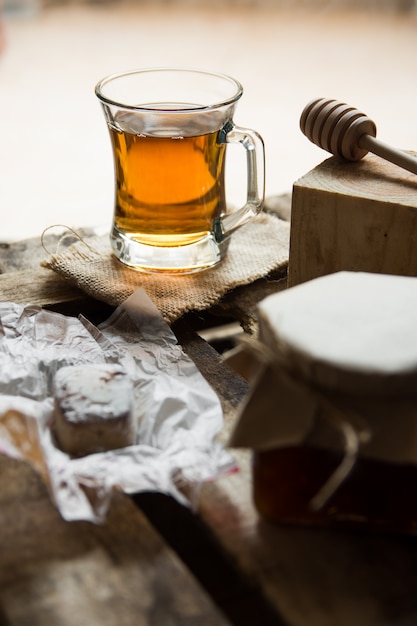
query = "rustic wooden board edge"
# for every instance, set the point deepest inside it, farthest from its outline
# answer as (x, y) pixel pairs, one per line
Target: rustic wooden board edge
(119, 572)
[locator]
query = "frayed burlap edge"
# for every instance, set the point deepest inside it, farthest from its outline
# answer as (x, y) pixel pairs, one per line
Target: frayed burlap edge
(255, 250)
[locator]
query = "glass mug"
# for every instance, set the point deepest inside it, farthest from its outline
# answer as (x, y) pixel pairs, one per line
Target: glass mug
(169, 129)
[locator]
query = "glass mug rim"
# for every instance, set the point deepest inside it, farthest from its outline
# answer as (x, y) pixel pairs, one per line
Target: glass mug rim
(188, 108)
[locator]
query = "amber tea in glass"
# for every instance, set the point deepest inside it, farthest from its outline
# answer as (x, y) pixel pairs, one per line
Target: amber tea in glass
(169, 130)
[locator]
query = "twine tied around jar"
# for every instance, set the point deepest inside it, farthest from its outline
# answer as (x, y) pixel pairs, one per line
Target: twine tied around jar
(353, 427)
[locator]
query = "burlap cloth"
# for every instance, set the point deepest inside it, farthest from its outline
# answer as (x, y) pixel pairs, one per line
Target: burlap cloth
(255, 250)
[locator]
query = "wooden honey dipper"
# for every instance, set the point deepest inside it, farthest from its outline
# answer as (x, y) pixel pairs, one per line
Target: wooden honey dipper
(347, 133)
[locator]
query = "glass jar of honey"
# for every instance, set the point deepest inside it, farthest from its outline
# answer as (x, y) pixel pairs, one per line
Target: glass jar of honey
(375, 495)
(332, 412)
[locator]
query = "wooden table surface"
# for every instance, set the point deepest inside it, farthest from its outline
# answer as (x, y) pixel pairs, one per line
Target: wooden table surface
(58, 573)
(155, 562)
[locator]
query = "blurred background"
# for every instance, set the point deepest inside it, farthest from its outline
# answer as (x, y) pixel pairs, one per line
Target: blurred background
(55, 159)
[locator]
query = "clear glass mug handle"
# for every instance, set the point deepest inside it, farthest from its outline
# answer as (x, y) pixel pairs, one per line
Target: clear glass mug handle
(255, 160)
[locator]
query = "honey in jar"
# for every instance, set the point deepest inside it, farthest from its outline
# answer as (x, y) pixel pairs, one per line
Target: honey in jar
(332, 413)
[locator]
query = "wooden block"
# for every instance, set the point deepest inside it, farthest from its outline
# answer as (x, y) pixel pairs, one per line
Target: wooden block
(358, 216)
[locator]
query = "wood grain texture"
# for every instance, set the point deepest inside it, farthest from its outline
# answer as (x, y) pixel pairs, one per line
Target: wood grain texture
(23, 279)
(54, 572)
(358, 216)
(311, 576)
(38, 286)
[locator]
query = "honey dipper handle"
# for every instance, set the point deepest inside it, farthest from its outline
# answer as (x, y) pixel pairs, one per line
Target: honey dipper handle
(398, 157)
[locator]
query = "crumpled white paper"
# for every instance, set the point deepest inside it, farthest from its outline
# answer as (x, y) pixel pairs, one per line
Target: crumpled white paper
(181, 414)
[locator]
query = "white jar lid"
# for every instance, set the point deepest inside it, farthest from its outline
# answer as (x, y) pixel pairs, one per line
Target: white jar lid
(351, 332)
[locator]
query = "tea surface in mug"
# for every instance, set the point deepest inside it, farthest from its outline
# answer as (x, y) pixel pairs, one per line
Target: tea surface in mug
(169, 189)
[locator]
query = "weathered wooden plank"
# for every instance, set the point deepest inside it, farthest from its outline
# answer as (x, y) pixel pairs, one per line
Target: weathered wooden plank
(22, 277)
(54, 572)
(29, 253)
(37, 286)
(313, 577)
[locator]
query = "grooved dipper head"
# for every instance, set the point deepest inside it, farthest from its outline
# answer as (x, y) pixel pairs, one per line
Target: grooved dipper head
(336, 127)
